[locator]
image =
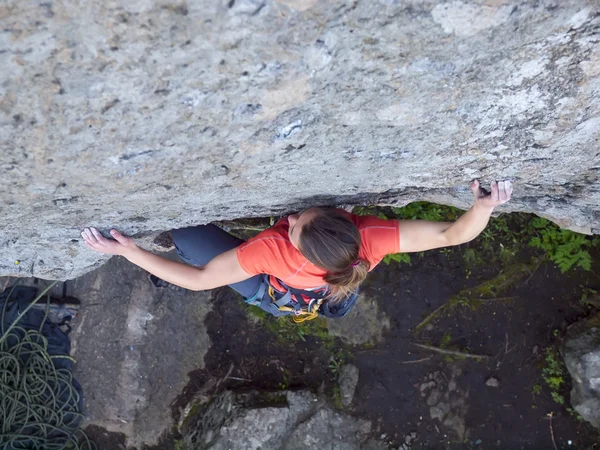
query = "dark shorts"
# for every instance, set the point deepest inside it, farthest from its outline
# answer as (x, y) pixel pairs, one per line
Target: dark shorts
(198, 245)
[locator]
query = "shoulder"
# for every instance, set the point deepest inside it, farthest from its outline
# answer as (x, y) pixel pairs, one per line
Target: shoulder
(380, 237)
(258, 253)
(274, 237)
(372, 226)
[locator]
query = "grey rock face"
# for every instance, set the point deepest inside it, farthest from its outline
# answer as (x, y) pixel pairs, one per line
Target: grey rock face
(261, 420)
(134, 348)
(582, 357)
(348, 380)
(147, 116)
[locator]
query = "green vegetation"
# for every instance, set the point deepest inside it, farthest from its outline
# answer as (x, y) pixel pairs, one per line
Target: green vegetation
(286, 381)
(427, 211)
(472, 257)
(586, 294)
(446, 340)
(397, 257)
(337, 397)
(553, 374)
(536, 390)
(575, 414)
(565, 248)
(337, 361)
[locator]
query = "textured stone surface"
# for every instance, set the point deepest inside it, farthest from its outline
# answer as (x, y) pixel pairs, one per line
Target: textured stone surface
(287, 420)
(582, 357)
(348, 380)
(147, 115)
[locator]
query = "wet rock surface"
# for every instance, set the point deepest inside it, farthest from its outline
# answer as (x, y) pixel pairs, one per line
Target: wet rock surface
(148, 116)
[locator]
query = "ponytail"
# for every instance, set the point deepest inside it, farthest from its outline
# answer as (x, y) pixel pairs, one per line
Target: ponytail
(341, 284)
(332, 242)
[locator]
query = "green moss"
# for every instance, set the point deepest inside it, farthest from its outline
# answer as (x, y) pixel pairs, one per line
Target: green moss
(258, 313)
(501, 282)
(446, 340)
(459, 300)
(490, 290)
(193, 412)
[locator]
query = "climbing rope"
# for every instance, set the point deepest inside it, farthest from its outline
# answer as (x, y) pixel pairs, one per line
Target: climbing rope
(39, 405)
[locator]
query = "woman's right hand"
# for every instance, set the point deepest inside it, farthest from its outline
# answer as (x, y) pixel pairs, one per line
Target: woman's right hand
(119, 245)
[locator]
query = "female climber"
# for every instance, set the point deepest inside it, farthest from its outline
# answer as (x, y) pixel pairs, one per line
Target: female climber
(308, 263)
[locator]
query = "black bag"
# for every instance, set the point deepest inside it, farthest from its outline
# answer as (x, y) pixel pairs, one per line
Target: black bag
(339, 309)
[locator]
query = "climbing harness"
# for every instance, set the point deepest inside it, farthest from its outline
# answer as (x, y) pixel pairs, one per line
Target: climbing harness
(301, 304)
(309, 311)
(40, 401)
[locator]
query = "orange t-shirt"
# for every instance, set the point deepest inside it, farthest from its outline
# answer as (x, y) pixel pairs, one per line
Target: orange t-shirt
(272, 253)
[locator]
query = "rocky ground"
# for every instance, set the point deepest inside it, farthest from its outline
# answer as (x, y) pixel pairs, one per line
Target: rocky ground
(173, 369)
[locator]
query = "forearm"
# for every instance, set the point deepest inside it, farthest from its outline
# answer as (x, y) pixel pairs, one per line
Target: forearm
(173, 272)
(469, 225)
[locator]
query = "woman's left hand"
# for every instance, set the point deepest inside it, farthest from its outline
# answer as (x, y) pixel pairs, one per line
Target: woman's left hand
(120, 245)
(501, 192)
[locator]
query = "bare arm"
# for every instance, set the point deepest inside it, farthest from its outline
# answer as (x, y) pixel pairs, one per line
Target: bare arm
(221, 270)
(420, 235)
